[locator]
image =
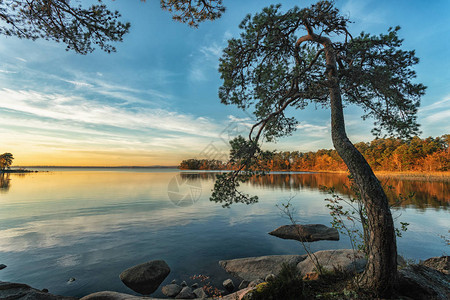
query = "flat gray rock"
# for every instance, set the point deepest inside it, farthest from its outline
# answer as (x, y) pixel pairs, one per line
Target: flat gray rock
(19, 291)
(200, 293)
(306, 233)
(251, 268)
(145, 278)
(422, 282)
(345, 259)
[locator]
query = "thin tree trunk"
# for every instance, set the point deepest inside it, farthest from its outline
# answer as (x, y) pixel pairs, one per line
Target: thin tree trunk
(381, 271)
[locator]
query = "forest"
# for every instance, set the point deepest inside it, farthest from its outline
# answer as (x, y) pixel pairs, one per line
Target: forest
(383, 154)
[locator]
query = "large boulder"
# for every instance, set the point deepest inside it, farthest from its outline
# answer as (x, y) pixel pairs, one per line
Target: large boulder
(422, 282)
(10, 290)
(306, 233)
(442, 264)
(145, 278)
(252, 268)
(343, 259)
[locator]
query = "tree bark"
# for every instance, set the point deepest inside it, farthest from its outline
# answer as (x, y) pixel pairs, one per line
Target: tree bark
(380, 274)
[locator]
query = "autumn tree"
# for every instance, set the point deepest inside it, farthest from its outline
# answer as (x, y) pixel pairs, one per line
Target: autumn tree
(83, 28)
(291, 59)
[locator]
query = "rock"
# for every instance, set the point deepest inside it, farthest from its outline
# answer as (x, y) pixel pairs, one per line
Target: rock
(107, 295)
(237, 295)
(306, 233)
(194, 286)
(2, 266)
(183, 284)
(228, 285)
(171, 290)
(186, 293)
(173, 281)
(422, 282)
(255, 282)
(145, 278)
(44, 290)
(345, 259)
(252, 268)
(200, 293)
(10, 290)
(71, 279)
(441, 264)
(243, 284)
(270, 277)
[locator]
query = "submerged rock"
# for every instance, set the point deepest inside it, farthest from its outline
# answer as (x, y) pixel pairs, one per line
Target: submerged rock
(9, 290)
(306, 233)
(2, 266)
(171, 290)
(343, 259)
(145, 278)
(228, 285)
(251, 268)
(243, 284)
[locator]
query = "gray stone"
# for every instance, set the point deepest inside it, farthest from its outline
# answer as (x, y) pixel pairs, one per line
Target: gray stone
(422, 282)
(441, 264)
(243, 284)
(183, 283)
(171, 290)
(237, 295)
(2, 266)
(252, 268)
(255, 282)
(228, 285)
(145, 278)
(306, 233)
(186, 293)
(200, 293)
(270, 277)
(71, 279)
(107, 295)
(194, 286)
(343, 259)
(173, 281)
(10, 290)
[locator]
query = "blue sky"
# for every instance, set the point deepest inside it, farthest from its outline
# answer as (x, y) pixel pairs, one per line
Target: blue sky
(155, 102)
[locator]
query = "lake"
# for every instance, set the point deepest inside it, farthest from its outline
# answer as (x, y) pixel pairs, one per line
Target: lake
(91, 224)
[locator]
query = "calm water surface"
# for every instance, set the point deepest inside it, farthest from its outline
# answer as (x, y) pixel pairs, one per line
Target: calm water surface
(91, 224)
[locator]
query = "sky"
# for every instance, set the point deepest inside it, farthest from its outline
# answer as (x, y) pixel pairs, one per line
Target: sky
(155, 101)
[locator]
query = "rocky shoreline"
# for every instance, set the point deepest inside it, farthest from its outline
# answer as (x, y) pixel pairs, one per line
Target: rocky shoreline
(428, 280)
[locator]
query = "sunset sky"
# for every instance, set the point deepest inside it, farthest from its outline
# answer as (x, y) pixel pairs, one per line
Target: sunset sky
(155, 102)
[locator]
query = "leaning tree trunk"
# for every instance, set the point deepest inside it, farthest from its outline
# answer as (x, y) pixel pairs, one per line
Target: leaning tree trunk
(381, 271)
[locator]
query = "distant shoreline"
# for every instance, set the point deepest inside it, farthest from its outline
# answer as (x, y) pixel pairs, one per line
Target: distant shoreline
(99, 167)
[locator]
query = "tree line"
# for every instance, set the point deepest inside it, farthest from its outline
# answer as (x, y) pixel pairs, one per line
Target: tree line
(383, 154)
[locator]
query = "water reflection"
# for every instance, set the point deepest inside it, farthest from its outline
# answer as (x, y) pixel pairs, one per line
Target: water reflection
(426, 193)
(5, 182)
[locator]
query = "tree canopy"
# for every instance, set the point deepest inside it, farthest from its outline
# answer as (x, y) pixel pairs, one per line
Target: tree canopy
(83, 28)
(5, 161)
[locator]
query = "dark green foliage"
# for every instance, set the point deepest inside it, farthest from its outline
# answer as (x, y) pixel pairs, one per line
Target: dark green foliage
(266, 69)
(79, 28)
(194, 12)
(245, 160)
(287, 285)
(83, 28)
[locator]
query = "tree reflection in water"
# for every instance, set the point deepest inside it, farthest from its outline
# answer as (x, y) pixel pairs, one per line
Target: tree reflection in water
(426, 193)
